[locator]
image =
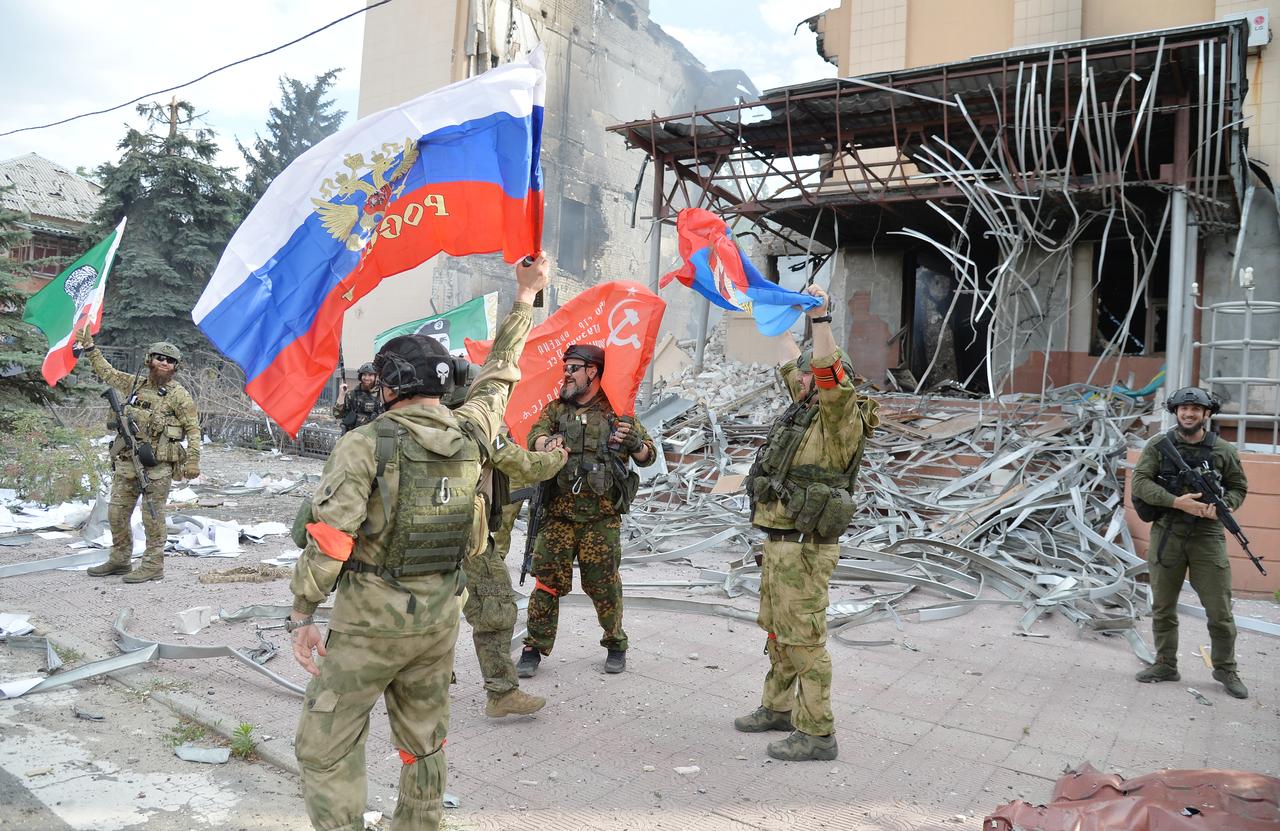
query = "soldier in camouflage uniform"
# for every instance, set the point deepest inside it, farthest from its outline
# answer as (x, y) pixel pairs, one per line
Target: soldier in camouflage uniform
(394, 515)
(165, 415)
(801, 488)
(584, 506)
(491, 602)
(363, 404)
(1188, 538)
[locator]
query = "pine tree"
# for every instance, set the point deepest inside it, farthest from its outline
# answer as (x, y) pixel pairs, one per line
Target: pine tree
(303, 118)
(22, 347)
(182, 210)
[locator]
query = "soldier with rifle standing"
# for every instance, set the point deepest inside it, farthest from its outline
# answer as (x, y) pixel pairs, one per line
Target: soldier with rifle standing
(1187, 536)
(148, 453)
(363, 404)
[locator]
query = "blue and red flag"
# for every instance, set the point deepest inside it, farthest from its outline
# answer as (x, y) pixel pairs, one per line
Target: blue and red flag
(456, 170)
(714, 266)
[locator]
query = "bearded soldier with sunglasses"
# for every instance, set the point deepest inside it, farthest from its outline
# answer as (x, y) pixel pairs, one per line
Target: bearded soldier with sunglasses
(163, 417)
(584, 508)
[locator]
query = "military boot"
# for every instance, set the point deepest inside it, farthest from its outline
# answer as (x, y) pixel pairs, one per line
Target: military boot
(529, 660)
(515, 702)
(1158, 672)
(763, 719)
(151, 568)
(801, 747)
(1231, 683)
(615, 661)
(111, 566)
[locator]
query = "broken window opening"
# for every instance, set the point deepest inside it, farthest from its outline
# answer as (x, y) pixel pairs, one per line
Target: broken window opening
(572, 252)
(928, 287)
(1116, 276)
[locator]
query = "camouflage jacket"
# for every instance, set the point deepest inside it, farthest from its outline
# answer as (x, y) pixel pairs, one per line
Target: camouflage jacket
(165, 415)
(347, 499)
(521, 467)
(358, 407)
(585, 505)
(845, 419)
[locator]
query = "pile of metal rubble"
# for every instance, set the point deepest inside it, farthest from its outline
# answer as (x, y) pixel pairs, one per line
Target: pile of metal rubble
(962, 501)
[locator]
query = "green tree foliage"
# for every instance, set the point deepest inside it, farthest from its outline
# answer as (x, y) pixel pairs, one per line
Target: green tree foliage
(182, 210)
(304, 117)
(22, 346)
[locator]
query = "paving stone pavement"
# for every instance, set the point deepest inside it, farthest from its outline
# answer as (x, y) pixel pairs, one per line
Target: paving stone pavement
(954, 719)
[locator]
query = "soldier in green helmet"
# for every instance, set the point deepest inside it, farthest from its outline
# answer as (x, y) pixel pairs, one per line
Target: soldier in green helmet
(491, 602)
(801, 488)
(1187, 538)
(163, 416)
(362, 404)
(393, 517)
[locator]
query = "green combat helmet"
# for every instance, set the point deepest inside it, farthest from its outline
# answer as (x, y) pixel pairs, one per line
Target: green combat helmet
(165, 350)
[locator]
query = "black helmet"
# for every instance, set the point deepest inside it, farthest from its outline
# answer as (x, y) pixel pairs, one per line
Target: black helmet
(1192, 395)
(586, 353)
(366, 368)
(411, 365)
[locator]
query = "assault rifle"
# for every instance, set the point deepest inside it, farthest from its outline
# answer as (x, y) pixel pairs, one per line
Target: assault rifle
(537, 513)
(1210, 493)
(140, 451)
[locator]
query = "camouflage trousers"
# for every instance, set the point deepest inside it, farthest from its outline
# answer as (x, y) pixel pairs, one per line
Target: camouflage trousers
(125, 491)
(491, 609)
(793, 610)
(1202, 557)
(412, 674)
(597, 546)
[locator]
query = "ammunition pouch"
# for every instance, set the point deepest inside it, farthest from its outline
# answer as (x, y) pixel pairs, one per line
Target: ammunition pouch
(145, 453)
(1146, 511)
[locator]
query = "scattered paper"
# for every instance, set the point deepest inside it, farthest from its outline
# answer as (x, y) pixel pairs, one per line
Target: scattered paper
(12, 623)
(17, 688)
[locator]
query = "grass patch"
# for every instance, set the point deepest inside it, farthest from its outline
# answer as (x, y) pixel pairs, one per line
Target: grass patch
(185, 732)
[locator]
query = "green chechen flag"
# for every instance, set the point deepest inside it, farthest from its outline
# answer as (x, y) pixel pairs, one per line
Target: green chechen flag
(70, 302)
(476, 319)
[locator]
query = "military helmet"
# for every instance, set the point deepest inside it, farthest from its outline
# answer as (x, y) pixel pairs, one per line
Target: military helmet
(1193, 395)
(586, 353)
(366, 368)
(411, 365)
(165, 350)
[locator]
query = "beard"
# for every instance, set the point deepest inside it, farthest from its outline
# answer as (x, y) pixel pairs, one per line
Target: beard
(1187, 432)
(569, 392)
(160, 377)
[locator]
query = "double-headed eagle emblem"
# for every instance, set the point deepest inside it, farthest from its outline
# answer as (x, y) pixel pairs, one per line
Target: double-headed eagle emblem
(339, 219)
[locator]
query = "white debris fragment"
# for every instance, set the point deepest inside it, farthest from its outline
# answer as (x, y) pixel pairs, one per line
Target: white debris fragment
(649, 768)
(688, 770)
(190, 621)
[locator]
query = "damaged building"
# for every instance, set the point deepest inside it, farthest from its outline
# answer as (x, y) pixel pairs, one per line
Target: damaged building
(606, 62)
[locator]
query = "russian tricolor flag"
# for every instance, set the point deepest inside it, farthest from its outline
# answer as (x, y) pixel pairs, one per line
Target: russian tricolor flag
(456, 170)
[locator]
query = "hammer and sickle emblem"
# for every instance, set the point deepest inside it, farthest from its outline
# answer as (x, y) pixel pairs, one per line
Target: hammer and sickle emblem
(349, 293)
(629, 318)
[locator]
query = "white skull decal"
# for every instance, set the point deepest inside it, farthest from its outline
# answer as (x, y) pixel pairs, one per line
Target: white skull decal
(442, 371)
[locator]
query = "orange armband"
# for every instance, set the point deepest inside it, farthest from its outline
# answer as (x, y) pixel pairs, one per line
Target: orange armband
(331, 542)
(829, 377)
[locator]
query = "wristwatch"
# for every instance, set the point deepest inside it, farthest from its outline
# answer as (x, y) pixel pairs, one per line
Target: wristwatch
(291, 625)
(820, 319)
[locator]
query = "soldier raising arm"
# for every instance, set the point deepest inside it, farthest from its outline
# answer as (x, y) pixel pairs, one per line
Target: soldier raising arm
(393, 516)
(801, 489)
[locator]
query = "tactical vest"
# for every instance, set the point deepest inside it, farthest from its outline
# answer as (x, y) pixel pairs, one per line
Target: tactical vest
(593, 465)
(817, 499)
(363, 407)
(430, 529)
(150, 409)
(1171, 479)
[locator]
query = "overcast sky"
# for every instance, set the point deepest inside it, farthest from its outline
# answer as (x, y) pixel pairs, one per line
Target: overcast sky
(65, 57)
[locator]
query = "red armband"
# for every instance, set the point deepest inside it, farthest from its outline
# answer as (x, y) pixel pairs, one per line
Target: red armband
(829, 377)
(331, 542)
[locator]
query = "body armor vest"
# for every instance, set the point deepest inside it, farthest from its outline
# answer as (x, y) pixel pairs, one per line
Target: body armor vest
(431, 526)
(593, 465)
(819, 500)
(1171, 479)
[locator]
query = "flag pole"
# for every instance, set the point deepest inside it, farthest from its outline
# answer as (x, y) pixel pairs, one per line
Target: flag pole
(655, 263)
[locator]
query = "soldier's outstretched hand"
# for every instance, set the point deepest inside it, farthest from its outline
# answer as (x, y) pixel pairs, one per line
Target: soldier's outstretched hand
(84, 338)
(306, 641)
(531, 279)
(823, 307)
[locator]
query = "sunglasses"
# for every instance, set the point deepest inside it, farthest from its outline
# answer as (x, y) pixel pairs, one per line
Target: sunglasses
(164, 359)
(570, 369)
